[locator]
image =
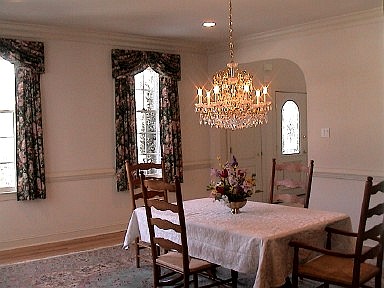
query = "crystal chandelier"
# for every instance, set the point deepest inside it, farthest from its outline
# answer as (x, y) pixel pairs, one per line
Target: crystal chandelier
(234, 102)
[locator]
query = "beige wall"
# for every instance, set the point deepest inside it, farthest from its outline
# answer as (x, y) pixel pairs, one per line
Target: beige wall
(78, 111)
(338, 63)
(343, 66)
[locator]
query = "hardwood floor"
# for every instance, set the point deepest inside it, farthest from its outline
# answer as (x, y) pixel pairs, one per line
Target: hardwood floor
(60, 248)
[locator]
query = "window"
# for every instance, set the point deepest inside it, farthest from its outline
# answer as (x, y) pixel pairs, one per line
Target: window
(147, 116)
(125, 65)
(290, 128)
(7, 127)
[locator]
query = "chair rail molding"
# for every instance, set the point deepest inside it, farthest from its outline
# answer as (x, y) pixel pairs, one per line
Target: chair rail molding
(349, 175)
(77, 175)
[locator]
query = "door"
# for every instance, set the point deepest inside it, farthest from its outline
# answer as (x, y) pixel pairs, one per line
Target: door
(245, 144)
(291, 126)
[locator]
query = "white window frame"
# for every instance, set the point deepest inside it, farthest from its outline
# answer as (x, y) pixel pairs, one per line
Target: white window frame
(287, 117)
(8, 189)
(147, 86)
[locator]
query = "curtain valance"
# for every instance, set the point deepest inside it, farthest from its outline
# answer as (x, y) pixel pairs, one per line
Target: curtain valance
(131, 62)
(28, 54)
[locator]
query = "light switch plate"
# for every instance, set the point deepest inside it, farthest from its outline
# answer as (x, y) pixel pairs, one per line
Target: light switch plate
(324, 132)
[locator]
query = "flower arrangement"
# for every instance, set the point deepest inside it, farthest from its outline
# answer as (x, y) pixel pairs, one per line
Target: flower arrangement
(230, 183)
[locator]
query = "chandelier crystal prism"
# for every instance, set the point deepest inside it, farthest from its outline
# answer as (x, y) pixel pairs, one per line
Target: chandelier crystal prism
(233, 102)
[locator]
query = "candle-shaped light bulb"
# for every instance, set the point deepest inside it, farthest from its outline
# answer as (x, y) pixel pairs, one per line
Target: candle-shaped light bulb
(246, 88)
(257, 96)
(200, 94)
(209, 97)
(265, 90)
(216, 89)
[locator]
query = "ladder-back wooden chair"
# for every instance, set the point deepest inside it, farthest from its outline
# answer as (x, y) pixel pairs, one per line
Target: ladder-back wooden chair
(134, 186)
(291, 183)
(349, 269)
(175, 257)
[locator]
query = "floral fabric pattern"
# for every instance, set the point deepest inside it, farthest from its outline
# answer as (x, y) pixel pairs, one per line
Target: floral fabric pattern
(28, 58)
(125, 64)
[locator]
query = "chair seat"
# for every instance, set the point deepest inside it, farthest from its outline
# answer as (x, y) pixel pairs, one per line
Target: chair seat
(174, 261)
(336, 270)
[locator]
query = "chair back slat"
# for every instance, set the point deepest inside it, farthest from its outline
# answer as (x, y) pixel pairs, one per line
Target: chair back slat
(379, 187)
(162, 205)
(290, 183)
(371, 253)
(292, 166)
(159, 186)
(134, 181)
(373, 233)
(165, 224)
(377, 210)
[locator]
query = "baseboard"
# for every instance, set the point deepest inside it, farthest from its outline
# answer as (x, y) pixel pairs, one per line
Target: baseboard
(52, 249)
(62, 236)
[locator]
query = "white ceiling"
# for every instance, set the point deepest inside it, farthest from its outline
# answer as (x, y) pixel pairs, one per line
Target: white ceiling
(177, 19)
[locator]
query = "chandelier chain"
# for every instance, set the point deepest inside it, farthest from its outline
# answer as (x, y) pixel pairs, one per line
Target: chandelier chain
(231, 46)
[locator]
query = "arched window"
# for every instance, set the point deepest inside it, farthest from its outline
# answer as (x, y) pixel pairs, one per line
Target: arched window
(290, 128)
(147, 116)
(7, 127)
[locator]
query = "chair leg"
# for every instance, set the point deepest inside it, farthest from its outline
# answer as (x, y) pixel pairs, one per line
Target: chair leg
(234, 277)
(295, 268)
(295, 281)
(378, 281)
(195, 281)
(137, 255)
(156, 276)
(186, 280)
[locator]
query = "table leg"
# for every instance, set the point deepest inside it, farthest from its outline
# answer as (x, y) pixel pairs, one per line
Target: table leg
(234, 276)
(287, 283)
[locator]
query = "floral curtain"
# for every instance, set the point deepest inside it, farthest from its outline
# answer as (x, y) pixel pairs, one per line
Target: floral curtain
(28, 58)
(125, 64)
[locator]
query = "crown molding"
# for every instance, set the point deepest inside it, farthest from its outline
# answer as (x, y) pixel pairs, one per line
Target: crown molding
(42, 32)
(320, 26)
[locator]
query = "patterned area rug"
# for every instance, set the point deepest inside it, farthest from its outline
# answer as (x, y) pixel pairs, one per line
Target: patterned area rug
(108, 267)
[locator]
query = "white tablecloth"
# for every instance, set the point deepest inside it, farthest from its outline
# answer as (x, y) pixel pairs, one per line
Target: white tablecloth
(253, 241)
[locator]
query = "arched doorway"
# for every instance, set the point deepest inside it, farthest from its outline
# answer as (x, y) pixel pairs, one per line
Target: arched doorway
(256, 147)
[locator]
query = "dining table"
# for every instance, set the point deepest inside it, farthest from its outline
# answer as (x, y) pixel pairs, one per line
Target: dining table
(254, 241)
